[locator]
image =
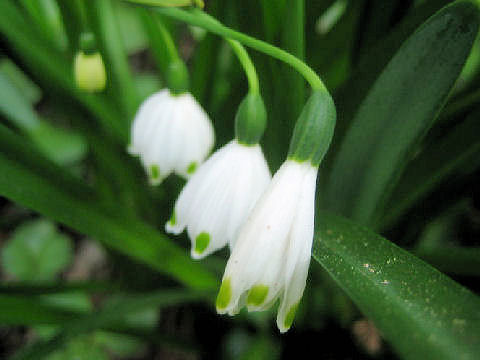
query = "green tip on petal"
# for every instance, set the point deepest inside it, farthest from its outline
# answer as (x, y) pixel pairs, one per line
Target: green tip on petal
(257, 295)
(154, 172)
(290, 316)
(191, 168)
(224, 295)
(173, 219)
(201, 242)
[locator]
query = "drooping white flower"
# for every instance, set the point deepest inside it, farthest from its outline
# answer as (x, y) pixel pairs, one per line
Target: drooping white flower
(171, 133)
(271, 256)
(217, 199)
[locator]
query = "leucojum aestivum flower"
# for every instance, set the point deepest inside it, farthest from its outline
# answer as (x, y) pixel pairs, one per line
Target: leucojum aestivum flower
(171, 132)
(217, 199)
(271, 256)
(231, 197)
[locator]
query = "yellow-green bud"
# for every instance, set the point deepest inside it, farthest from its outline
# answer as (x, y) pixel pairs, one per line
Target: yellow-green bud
(89, 71)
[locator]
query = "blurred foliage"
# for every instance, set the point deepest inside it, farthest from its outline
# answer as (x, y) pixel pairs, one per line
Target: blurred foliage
(405, 77)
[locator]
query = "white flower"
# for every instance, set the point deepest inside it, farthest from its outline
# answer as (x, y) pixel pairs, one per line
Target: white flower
(171, 133)
(271, 257)
(217, 199)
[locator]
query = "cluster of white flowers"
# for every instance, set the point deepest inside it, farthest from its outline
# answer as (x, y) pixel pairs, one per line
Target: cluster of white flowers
(231, 199)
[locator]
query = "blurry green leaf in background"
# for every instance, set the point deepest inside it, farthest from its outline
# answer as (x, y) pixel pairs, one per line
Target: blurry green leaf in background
(36, 252)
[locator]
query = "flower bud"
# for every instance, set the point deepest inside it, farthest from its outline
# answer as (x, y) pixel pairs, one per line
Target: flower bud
(314, 129)
(90, 72)
(250, 120)
(89, 69)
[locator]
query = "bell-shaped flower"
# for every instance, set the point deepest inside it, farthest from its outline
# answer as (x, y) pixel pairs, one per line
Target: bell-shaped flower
(217, 199)
(171, 133)
(88, 67)
(90, 72)
(271, 256)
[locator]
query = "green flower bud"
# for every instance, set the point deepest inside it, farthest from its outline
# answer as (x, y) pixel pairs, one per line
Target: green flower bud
(177, 77)
(250, 120)
(314, 129)
(89, 71)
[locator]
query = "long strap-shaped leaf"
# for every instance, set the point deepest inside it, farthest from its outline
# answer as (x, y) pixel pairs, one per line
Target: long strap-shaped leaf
(453, 153)
(43, 189)
(398, 110)
(421, 312)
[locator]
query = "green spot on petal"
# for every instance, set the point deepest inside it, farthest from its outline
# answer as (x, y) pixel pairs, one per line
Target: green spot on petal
(154, 172)
(173, 219)
(191, 168)
(257, 295)
(290, 316)
(224, 295)
(201, 242)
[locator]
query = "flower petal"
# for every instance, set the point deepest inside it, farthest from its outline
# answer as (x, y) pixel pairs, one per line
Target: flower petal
(299, 252)
(264, 232)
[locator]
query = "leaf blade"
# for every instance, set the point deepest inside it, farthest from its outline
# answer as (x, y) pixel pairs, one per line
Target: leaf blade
(422, 312)
(398, 110)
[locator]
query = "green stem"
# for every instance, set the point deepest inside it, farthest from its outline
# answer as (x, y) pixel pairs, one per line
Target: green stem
(167, 39)
(198, 18)
(247, 65)
(164, 2)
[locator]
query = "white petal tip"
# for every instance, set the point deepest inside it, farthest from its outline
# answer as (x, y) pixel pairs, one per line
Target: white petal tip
(201, 246)
(174, 229)
(132, 151)
(221, 311)
(196, 255)
(285, 320)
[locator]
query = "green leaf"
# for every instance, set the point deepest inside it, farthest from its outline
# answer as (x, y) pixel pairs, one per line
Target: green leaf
(64, 147)
(119, 344)
(52, 71)
(61, 146)
(420, 311)
(40, 189)
(452, 154)
(110, 316)
(15, 106)
(29, 310)
(21, 81)
(82, 348)
(398, 110)
(36, 251)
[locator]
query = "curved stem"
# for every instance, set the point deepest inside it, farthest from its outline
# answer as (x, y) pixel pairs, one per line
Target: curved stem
(197, 17)
(167, 39)
(247, 65)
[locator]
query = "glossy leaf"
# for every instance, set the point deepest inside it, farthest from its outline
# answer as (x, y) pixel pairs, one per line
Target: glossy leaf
(420, 311)
(398, 110)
